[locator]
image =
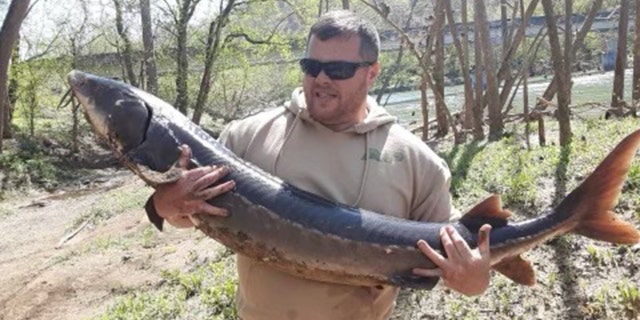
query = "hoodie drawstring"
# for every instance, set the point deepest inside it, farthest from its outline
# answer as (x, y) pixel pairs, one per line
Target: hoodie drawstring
(365, 171)
(284, 142)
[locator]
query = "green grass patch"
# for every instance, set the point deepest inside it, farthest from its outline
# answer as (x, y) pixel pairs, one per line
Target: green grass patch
(6, 211)
(112, 203)
(523, 177)
(102, 245)
(629, 298)
(206, 292)
(25, 164)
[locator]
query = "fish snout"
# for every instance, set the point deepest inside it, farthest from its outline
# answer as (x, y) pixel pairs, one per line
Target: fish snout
(76, 79)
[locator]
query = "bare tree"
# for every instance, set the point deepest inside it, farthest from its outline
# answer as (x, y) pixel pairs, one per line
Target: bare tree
(12, 91)
(617, 96)
(561, 70)
(496, 125)
(149, 51)
(513, 43)
(211, 52)
(438, 69)
(479, 79)
(504, 25)
(9, 35)
(393, 70)
(581, 35)
(468, 114)
(127, 51)
(463, 57)
(78, 39)
(425, 63)
(525, 76)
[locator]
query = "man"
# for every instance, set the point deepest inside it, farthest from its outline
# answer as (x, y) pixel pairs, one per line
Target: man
(333, 140)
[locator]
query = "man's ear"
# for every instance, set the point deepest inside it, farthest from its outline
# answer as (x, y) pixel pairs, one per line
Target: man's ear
(374, 71)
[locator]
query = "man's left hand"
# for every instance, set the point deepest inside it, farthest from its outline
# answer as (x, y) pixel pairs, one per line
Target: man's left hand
(464, 269)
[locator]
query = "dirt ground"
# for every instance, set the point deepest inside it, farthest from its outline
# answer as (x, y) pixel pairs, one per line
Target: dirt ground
(75, 281)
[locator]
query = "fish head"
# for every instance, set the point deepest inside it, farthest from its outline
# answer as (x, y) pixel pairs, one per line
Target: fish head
(116, 112)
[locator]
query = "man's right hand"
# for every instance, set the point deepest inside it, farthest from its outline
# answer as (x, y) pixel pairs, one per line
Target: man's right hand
(175, 202)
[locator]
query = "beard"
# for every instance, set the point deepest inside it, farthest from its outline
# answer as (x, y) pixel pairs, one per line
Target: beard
(332, 107)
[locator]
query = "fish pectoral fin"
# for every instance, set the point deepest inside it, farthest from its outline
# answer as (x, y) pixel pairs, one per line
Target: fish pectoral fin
(155, 178)
(517, 269)
(608, 227)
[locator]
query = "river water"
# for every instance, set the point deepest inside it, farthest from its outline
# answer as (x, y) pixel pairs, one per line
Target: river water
(587, 88)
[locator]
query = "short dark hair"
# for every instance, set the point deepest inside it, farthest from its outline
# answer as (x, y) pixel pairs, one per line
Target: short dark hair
(346, 23)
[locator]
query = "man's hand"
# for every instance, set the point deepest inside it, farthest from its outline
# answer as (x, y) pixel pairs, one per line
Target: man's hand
(175, 202)
(464, 269)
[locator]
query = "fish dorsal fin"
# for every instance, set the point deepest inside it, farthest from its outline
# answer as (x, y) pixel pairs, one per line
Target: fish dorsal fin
(517, 269)
(491, 207)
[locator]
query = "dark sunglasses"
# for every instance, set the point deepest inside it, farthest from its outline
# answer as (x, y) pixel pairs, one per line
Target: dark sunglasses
(335, 70)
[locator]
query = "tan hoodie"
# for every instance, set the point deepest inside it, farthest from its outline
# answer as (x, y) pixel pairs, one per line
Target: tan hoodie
(376, 165)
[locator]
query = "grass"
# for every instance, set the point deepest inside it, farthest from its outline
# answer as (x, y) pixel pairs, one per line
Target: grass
(6, 211)
(112, 203)
(205, 292)
(522, 176)
(629, 297)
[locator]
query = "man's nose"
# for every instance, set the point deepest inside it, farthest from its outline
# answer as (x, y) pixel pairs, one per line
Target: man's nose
(322, 77)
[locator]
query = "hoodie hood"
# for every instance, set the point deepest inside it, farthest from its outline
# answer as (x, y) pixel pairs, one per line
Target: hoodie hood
(376, 115)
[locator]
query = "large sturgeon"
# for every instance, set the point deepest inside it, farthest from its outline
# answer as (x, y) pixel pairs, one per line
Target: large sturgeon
(308, 236)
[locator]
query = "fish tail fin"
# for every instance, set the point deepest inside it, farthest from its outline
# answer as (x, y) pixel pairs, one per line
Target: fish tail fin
(591, 204)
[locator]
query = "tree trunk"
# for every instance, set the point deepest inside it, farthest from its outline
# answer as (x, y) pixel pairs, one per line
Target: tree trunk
(127, 52)
(463, 56)
(504, 72)
(525, 76)
(636, 59)
(504, 25)
(12, 91)
(496, 126)
(468, 113)
(345, 4)
(478, 110)
(182, 60)
(75, 127)
(211, 53)
(617, 96)
(438, 70)
(560, 68)
(9, 34)
(424, 106)
(149, 51)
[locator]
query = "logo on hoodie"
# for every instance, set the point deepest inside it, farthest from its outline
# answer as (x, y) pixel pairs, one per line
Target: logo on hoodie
(384, 156)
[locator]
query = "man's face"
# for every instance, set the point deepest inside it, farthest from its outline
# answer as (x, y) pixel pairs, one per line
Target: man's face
(338, 104)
